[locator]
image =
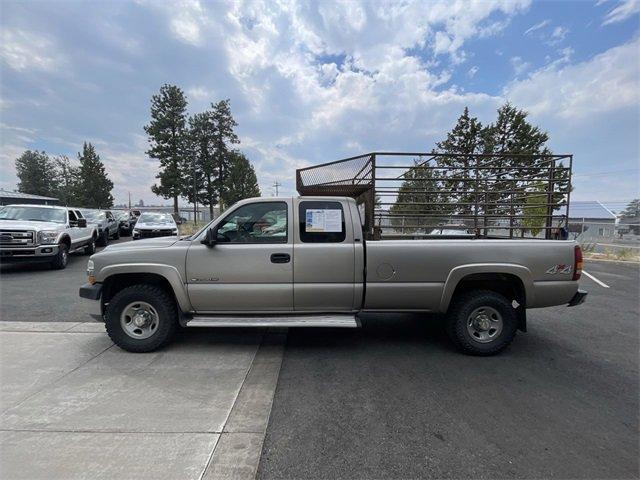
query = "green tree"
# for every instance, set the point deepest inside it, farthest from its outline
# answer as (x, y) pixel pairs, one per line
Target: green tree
(632, 210)
(241, 181)
(168, 142)
(466, 138)
(201, 168)
(417, 208)
(93, 187)
(224, 139)
(66, 181)
(36, 174)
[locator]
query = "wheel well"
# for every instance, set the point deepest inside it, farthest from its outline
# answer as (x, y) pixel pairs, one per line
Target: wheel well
(66, 240)
(503, 283)
(506, 284)
(115, 283)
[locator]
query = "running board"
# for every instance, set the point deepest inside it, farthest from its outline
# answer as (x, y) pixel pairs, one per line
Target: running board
(335, 320)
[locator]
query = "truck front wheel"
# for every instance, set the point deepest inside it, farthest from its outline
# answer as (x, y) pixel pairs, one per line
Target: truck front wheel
(141, 318)
(481, 322)
(62, 257)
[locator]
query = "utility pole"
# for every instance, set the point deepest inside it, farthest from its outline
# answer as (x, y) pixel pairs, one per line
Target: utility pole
(276, 184)
(195, 198)
(129, 201)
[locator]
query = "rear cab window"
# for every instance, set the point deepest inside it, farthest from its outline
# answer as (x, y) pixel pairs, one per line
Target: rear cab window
(321, 222)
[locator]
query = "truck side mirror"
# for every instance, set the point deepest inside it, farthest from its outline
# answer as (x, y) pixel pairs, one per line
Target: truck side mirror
(82, 223)
(210, 237)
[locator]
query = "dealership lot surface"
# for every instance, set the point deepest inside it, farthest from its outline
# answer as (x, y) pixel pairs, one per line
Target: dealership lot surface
(392, 400)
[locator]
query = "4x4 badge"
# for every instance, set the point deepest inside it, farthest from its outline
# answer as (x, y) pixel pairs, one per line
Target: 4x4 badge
(560, 268)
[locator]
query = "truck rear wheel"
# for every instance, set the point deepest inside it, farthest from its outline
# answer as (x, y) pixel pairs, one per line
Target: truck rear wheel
(141, 318)
(481, 322)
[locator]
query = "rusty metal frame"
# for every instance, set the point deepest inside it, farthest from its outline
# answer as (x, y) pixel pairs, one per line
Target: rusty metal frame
(492, 201)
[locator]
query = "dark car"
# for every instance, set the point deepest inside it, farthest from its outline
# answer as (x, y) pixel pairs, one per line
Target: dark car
(126, 221)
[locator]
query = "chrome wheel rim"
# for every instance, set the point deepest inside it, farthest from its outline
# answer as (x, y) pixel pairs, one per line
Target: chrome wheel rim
(139, 320)
(65, 256)
(484, 324)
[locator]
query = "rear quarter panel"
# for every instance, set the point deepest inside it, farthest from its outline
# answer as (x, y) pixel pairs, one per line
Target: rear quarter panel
(423, 274)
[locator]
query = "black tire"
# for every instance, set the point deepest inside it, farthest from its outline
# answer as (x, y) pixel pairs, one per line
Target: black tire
(116, 236)
(61, 259)
(163, 304)
(90, 248)
(460, 311)
(103, 241)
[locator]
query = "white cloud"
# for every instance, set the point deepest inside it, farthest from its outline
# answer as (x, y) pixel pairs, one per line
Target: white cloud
(622, 11)
(558, 35)
(537, 26)
(472, 71)
(519, 65)
(23, 50)
(607, 82)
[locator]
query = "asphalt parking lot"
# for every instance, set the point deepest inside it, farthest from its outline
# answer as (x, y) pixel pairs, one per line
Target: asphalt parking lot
(391, 400)
(394, 400)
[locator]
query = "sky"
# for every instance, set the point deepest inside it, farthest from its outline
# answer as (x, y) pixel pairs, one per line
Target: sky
(311, 82)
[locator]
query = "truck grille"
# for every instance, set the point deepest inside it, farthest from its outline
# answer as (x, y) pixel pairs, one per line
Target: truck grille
(16, 237)
(161, 232)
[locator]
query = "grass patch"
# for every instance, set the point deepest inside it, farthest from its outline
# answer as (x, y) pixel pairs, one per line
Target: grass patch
(189, 228)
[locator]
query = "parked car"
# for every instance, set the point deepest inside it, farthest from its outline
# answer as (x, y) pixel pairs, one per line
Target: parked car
(105, 223)
(305, 262)
(155, 224)
(126, 221)
(39, 233)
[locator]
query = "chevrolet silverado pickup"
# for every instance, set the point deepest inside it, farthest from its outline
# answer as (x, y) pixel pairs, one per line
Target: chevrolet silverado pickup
(40, 233)
(305, 262)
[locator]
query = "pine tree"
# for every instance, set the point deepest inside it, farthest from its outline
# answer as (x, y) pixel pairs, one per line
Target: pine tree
(94, 187)
(241, 181)
(512, 133)
(224, 138)
(66, 181)
(167, 139)
(633, 209)
(201, 169)
(466, 138)
(36, 174)
(417, 207)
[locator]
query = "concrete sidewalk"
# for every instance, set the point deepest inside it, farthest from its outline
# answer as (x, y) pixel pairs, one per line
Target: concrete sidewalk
(73, 405)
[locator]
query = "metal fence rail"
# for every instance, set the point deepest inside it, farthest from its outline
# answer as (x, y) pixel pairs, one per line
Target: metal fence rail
(408, 194)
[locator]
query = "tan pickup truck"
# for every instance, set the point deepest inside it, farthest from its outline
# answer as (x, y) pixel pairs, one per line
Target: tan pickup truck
(304, 262)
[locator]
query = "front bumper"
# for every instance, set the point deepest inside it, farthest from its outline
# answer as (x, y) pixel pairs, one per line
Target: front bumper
(40, 253)
(91, 295)
(578, 298)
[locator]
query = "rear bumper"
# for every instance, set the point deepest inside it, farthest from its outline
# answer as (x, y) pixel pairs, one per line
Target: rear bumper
(91, 299)
(41, 253)
(578, 298)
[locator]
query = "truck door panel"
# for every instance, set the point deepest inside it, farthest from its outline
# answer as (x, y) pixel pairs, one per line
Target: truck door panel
(323, 269)
(250, 269)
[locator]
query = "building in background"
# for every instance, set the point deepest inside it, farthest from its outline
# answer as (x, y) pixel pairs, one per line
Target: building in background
(7, 198)
(590, 221)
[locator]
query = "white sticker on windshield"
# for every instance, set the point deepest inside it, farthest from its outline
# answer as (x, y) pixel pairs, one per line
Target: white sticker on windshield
(323, 220)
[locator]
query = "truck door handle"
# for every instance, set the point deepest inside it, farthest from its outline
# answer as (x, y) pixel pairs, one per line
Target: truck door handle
(280, 258)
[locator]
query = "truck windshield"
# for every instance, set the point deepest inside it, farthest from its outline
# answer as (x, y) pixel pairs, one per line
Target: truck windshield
(93, 215)
(34, 214)
(149, 217)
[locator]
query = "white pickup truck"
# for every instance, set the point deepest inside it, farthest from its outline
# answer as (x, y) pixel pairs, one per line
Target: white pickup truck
(40, 233)
(304, 262)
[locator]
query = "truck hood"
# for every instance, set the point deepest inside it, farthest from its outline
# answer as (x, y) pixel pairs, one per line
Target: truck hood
(27, 225)
(151, 226)
(142, 244)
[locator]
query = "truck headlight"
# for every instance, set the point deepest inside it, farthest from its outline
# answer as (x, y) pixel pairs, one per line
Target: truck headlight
(136, 231)
(47, 236)
(90, 276)
(175, 231)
